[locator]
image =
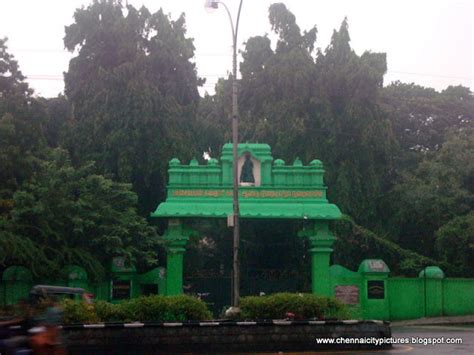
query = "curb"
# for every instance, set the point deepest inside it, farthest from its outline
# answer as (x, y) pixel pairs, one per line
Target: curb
(279, 322)
(435, 321)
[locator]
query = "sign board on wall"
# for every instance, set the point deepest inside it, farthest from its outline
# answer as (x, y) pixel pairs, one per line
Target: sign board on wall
(375, 289)
(347, 294)
(377, 266)
(121, 289)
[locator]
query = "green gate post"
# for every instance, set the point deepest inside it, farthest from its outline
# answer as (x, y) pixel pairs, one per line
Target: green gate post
(321, 239)
(433, 290)
(374, 292)
(174, 267)
(126, 273)
(176, 237)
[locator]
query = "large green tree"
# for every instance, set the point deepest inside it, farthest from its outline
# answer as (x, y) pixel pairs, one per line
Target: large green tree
(67, 215)
(133, 90)
(310, 105)
(58, 114)
(51, 212)
(21, 135)
(397, 158)
(354, 134)
(422, 117)
(455, 244)
(440, 189)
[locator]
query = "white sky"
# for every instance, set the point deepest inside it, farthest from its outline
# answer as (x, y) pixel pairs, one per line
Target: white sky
(429, 42)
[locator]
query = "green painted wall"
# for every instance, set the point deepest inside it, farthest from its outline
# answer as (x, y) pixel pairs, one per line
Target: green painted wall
(433, 297)
(458, 296)
(406, 298)
(16, 282)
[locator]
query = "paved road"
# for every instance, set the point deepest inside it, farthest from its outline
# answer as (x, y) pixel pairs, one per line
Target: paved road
(466, 333)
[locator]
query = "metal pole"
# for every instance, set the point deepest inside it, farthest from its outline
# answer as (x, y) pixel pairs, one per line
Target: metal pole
(235, 142)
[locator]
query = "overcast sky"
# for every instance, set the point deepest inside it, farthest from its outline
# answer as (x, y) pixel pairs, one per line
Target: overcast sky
(429, 42)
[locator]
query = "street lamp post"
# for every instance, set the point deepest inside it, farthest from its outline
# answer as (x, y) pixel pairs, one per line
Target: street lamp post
(212, 4)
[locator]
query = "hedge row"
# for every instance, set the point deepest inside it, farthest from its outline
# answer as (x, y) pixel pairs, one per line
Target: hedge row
(294, 305)
(150, 308)
(184, 308)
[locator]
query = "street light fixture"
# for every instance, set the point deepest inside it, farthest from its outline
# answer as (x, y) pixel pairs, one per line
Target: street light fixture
(213, 4)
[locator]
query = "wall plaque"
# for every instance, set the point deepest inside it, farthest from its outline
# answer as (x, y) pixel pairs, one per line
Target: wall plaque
(121, 289)
(347, 294)
(375, 289)
(377, 266)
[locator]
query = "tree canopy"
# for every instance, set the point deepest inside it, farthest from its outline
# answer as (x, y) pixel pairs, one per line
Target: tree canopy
(133, 89)
(53, 213)
(66, 215)
(80, 173)
(308, 105)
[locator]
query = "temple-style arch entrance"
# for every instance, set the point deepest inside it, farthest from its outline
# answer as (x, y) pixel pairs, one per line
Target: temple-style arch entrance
(268, 189)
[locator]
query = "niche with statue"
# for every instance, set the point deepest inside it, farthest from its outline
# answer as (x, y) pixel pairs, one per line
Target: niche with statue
(249, 170)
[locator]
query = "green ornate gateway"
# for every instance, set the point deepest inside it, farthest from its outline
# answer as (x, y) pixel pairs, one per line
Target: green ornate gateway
(268, 189)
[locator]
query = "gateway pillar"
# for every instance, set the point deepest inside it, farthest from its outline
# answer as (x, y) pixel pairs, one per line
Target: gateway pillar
(321, 241)
(176, 237)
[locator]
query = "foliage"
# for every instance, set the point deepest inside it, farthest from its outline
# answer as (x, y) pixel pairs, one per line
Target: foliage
(22, 148)
(303, 306)
(78, 312)
(145, 309)
(455, 244)
(14, 90)
(107, 312)
(398, 158)
(51, 212)
(422, 118)
(353, 134)
(355, 243)
(438, 190)
(134, 91)
(68, 215)
(161, 308)
(308, 105)
(58, 110)
(21, 116)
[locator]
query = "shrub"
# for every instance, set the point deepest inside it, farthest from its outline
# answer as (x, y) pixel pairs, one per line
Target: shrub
(145, 309)
(188, 308)
(167, 309)
(303, 306)
(109, 312)
(78, 312)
